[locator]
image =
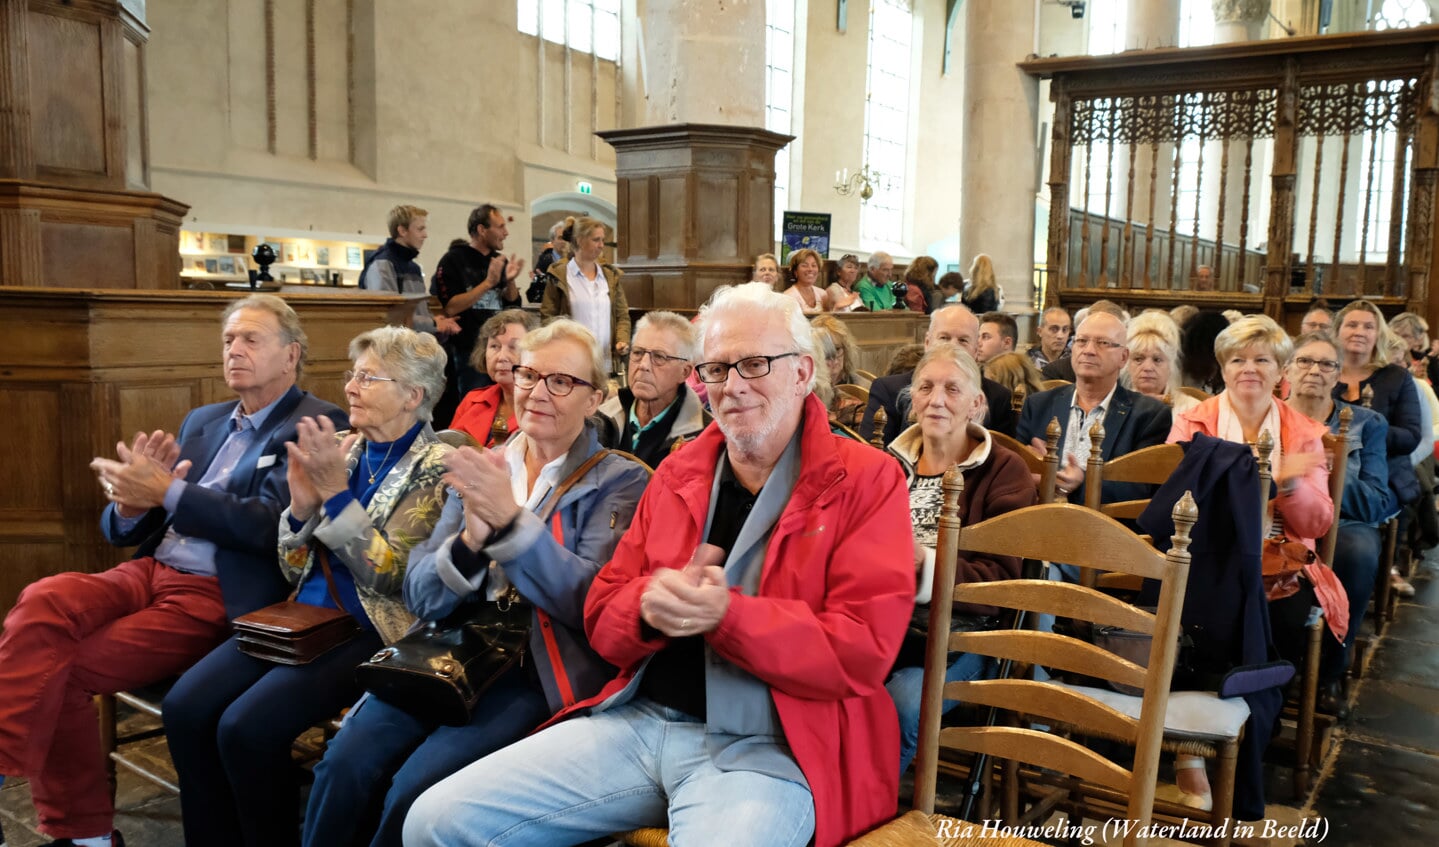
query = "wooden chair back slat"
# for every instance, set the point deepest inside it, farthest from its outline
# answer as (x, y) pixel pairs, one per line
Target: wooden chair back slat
(1201, 396)
(1050, 597)
(1031, 461)
(1043, 750)
(1087, 539)
(1050, 650)
(856, 392)
(1054, 383)
(1046, 701)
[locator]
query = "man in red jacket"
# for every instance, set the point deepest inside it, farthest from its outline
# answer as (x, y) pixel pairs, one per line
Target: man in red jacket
(753, 608)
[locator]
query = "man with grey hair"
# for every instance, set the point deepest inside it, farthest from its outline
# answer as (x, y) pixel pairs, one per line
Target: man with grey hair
(767, 530)
(873, 287)
(204, 507)
(955, 324)
(657, 409)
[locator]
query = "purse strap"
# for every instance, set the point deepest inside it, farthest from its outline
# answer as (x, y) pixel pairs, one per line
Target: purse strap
(322, 554)
(570, 481)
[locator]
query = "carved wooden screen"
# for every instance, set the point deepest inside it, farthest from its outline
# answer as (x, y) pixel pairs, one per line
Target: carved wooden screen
(1290, 169)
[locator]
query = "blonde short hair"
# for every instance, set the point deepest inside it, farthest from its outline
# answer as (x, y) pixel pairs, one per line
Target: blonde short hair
(404, 215)
(1251, 331)
(1154, 329)
(565, 329)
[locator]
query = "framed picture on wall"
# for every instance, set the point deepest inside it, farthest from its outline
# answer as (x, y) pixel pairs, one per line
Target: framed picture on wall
(212, 266)
(226, 264)
(353, 257)
(322, 255)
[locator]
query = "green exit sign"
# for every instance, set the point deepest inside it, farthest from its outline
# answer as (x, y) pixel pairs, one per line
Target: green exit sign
(586, 188)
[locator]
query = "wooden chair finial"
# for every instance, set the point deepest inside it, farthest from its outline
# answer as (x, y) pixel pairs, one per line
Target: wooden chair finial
(876, 438)
(1185, 513)
(1366, 397)
(1096, 443)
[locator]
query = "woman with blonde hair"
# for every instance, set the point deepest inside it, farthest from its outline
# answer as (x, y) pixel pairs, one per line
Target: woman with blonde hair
(846, 352)
(1360, 329)
(1152, 370)
(984, 293)
(1013, 370)
(590, 292)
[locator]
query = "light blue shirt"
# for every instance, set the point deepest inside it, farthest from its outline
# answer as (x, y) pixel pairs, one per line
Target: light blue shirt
(195, 555)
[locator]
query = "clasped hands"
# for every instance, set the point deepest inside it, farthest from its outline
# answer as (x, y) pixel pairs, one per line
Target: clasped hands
(482, 479)
(691, 600)
(1070, 474)
(138, 480)
(317, 467)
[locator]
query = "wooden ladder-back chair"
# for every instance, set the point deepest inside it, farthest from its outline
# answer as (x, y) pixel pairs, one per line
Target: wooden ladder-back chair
(863, 378)
(1060, 532)
(1046, 466)
(855, 392)
(1197, 394)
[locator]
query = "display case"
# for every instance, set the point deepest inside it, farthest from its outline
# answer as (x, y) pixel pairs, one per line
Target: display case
(212, 259)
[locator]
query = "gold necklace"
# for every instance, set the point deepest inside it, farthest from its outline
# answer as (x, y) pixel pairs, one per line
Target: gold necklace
(382, 461)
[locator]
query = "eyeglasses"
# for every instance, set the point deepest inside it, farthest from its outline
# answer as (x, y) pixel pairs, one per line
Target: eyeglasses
(638, 354)
(1100, 344)
(1326, 366)
(752, 367)
(560, 385)
(366, 379)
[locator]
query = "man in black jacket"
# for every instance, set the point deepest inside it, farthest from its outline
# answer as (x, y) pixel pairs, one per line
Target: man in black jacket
(954, 324)
(393, 268)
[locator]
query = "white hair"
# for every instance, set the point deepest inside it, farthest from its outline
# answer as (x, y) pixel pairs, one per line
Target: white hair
(878, 257)
(754, 299)
(680, 327)
(934, 316)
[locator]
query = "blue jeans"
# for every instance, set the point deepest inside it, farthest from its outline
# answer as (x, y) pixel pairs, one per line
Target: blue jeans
(1356, 562)
(635, 765)
(383, 758)
(907, 684)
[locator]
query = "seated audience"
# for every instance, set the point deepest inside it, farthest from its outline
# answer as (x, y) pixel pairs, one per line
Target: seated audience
(498, 537)
(1415, 332)
(1197, 365)
(998, 334)
(949, 405)
(1319, 318)
(202, 506)
(842, 295)
(954, 324)
(1366, 502)
(710, 728)
(488, 414)
(904, 359)
(1055, 329)
(1153, 341)
(874, 285)
(1253, 352)
(766, 270)
(590, 292)
(1131, 420)
(843, 408)
(1365, 364)
(844, 364)
(1013, 370)
(804, 276)
(657, 409)
(1063, 367)
(951, 287)
(920, 295)
(984, 294)
(358, 503)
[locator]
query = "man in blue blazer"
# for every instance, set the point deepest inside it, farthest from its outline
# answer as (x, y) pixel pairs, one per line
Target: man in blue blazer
(953, 324)
(1131, 420)
(204, 509)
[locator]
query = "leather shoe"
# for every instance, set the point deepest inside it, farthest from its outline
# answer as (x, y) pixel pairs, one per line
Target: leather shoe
(1332, 700)
(116, 840)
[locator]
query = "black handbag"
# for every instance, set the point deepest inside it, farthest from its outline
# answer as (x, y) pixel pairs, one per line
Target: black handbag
(439, 671)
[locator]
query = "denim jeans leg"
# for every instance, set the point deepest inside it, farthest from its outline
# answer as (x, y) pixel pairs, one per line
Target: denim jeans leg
(573, 782)
(905, 686)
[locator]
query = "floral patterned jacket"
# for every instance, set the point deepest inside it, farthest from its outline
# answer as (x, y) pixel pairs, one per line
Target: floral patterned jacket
(374, 542)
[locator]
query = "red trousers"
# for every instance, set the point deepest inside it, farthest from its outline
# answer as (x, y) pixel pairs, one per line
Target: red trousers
(72, 636)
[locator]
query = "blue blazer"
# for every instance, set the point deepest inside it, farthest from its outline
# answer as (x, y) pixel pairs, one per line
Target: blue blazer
(243, 525)
(1132, 422)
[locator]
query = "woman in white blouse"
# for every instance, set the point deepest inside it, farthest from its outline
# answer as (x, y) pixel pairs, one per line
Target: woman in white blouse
(804, 270)
(589, 291)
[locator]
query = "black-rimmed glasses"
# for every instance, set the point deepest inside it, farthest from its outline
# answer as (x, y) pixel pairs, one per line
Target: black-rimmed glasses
(1326, 366)
(560, 385)
(750, 367)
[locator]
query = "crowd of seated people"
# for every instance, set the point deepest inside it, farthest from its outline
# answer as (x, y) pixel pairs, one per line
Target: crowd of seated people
(661, 539)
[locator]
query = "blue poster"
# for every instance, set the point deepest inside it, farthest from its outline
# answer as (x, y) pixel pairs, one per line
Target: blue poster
(803, 230)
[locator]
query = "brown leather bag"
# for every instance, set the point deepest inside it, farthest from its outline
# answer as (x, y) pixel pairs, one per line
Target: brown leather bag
(292, 633)
(1283, 560)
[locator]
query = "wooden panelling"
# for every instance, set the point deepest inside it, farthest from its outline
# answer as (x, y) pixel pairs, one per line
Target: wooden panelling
(67, 94)
(92, 255)
(673, 200)
(147, 407)
(137, 160)
(25, 563)
(718, 199)
(29, 479)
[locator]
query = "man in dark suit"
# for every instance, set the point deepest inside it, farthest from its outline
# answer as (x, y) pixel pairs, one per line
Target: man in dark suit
(204, 509)
(954, 324)
(1131, 420)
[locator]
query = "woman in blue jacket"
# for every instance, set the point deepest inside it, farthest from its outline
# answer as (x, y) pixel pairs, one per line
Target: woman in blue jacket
(506, 530)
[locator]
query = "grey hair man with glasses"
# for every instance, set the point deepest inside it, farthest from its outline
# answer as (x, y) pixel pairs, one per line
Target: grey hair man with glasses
(1131, 420)
(657, 410)
(753, 610)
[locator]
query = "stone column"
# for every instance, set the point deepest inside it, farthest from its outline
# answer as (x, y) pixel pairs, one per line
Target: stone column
(1239, 20)
(704, 62)
(1150, 26)
(1000, 179)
